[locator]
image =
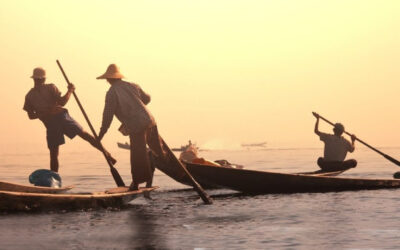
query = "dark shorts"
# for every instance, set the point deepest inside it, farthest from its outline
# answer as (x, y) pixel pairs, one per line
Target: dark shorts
(336, 165)
(59, 125)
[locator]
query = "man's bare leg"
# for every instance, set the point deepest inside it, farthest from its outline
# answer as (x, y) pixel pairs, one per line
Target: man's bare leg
(54, 159)
(89, 138)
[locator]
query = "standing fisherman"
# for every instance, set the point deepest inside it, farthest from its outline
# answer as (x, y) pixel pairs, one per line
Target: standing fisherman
(127, 101)
(44, 102)
(336, 148)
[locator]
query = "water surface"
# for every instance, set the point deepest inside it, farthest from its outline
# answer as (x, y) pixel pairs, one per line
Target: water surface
(177, 219)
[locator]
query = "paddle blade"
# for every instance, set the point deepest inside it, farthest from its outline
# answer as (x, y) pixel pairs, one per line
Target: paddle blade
(117, 177)
(392, 159)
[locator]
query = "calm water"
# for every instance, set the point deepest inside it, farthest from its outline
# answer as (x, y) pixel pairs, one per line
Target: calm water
(177, 219)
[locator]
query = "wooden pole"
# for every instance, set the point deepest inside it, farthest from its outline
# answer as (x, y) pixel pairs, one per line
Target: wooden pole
(366, 144)
(117, 177)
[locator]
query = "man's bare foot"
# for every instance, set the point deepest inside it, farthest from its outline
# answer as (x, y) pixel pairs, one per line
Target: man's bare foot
(149, 184)
(133, 187)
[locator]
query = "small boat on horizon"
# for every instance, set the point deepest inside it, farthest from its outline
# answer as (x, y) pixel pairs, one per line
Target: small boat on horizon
(185, 147)
(126, 145)
(254, 145)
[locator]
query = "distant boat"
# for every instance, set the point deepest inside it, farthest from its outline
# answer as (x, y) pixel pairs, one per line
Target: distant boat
(124, 145)
(184, 147)
(181, 149)
(260, 144)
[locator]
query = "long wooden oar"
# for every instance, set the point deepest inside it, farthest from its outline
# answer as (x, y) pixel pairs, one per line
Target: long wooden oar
(117, 177)
(204, 196)
(366, 144)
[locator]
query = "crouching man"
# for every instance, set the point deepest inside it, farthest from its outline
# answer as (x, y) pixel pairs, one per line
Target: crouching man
(336, 148)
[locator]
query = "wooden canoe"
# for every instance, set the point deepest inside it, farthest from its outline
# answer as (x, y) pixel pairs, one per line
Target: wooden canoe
(21, 201)
(8, 186)
(252, 181)
(124, 145)
(178, 175)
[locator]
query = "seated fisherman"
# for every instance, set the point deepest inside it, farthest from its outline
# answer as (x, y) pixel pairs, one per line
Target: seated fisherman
(336, 148)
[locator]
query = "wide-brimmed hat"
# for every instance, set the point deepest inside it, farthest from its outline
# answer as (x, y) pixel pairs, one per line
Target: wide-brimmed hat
(38, 73)
(112, 72)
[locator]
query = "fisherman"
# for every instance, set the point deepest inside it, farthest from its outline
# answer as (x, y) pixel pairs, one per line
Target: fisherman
(336, 148)
(127, 101)
(45, 102)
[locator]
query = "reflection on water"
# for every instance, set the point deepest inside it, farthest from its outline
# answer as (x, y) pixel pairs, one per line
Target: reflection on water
(145, 232)
(177, 219)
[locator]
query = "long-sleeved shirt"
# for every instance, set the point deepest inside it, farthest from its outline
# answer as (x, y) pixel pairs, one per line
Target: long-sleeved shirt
(127, 101)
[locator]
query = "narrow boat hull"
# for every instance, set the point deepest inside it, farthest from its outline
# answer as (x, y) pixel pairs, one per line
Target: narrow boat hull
(20, 201)
(251, 181)
(8, 186)
(179, 175)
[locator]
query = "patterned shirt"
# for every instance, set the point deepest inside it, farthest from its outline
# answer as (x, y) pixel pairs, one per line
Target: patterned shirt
(127, 101)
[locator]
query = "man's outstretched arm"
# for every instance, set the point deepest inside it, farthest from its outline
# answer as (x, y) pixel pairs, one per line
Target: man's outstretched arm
(108, 113)
(352, 147)
(316, 130)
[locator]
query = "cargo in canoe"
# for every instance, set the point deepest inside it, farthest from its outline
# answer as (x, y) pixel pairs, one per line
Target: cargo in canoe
(252, 181)
(113, 198)
(8, 186)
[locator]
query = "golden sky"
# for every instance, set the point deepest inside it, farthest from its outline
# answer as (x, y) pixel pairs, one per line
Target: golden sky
(219, 72)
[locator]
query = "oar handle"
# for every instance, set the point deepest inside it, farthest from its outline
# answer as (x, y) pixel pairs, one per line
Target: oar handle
(366, 144)
(79, 103)
(114, 171)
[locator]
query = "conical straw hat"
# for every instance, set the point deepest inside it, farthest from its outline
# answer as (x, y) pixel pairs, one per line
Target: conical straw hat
(112, 72)
(38, 73)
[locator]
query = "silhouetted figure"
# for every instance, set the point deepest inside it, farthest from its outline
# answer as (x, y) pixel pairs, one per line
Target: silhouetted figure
(45, 102)
(127, 101)
(336, 148)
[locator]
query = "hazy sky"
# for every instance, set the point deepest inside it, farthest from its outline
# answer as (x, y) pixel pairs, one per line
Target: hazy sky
(219, 72)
